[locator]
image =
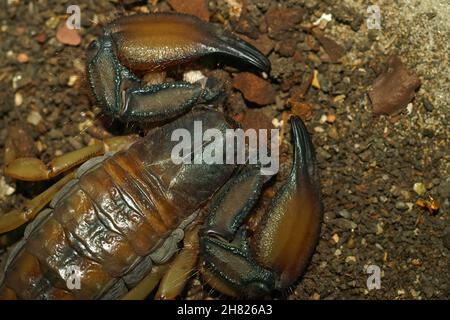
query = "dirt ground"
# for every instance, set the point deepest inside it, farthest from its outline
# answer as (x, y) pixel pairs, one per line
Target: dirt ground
(374, 168)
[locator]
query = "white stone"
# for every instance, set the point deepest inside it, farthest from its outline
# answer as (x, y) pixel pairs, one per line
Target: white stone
(34, 118)
(325, 18)
(18, 99)
(193, 76)
(72, 80)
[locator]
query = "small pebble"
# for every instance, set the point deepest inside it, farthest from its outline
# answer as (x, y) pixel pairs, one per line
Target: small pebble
(335, 238)
(315, 296)
(40, 146)
(34, 118)
(324, 19)
(350, 259)
(333, 133)
(5, 189)
(416, 262)
(400, 205)
(351, 244)
(72, 80)
(419, 188)
(22, 58)
(322, 153)
(331, 118)
(410, 205)
(18, 99)
(68, 36)
(277, 123)
(315, 82)
(405, 194)
(345, 214)
(319, 129)
(52, 22)
(409, 108)
(234, 8)
(41, 38)
(193, 76)
(379, 229)
(414, 293)
(394, 89)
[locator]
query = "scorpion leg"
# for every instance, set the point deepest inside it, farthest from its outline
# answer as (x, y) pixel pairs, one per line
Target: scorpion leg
(143, 289)
(180, 270)
(33, 169)
(279, 250)
(16, 218)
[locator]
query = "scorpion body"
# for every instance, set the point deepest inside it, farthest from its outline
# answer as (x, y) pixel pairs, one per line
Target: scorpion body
(124, 212)
(110, 220)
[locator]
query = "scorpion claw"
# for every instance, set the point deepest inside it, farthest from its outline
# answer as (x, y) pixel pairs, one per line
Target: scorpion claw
(284, 240)
(140, 45)
(231, 45)
(154, 42)
(287, 235)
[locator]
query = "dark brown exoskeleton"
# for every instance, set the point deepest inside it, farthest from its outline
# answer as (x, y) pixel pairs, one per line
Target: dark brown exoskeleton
(120, 216)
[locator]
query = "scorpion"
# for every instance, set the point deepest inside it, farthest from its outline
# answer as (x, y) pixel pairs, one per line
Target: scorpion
(123, 209)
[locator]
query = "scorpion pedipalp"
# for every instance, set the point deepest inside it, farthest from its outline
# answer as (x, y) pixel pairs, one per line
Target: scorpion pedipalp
(287, 236)
(150, 43)
(278, 252)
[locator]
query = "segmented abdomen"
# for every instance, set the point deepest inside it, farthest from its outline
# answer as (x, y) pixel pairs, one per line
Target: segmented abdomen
(111, 219)
(114, 216)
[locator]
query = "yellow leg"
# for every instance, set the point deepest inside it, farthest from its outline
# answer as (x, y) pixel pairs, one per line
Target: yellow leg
(16, 218)
(143, 289)
(33, 169)
(180, 270)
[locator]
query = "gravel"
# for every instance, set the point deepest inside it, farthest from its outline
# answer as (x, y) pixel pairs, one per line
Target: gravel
(368, 164)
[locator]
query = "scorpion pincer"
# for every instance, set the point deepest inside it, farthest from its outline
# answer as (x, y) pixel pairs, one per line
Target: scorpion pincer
(119, 217)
